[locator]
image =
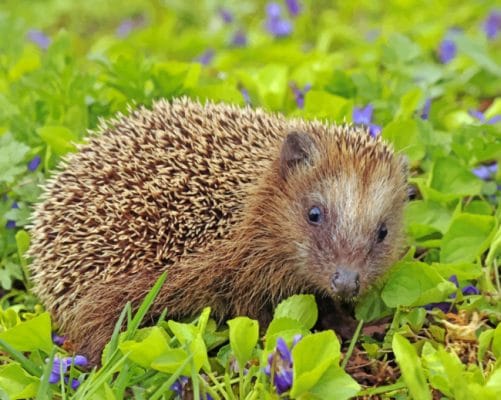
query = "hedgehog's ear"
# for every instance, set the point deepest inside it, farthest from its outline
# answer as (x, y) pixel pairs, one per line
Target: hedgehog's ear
(298, 148)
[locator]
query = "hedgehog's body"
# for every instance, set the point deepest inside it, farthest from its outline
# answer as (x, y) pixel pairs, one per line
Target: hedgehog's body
(239, 210)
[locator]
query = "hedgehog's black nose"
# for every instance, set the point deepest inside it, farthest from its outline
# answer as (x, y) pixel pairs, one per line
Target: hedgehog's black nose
(345, 283)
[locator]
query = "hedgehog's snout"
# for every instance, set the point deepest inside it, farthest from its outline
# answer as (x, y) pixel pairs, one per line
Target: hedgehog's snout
(345, 282)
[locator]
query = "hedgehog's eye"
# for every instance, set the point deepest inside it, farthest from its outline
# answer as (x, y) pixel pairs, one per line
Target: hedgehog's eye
(381, 233)
(315, 215)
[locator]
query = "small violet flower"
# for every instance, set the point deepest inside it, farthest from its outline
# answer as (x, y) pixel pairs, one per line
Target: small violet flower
(492, 24)
(280, 365)
(226, 15)
(300, 93)
(481, 117)
(34, 163)
(485, 172)
(39, 38)
(10, 223)
(294, 7)
(58, 340)
(206, 57)
(62, 365)
(245, 95)
(275, 24)
(446, 306)
(178, 387)
(447, 51)
(363, 116)
(125, 28)
(425, 112)
(239, 39)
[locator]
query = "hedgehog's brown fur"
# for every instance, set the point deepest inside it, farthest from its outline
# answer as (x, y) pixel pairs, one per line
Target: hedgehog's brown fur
(204, 192)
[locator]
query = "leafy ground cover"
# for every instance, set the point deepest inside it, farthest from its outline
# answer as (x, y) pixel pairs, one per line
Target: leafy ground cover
(424, 75)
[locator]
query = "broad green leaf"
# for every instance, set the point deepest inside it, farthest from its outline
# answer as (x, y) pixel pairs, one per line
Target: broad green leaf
(12, 153)
(321, 104)
(301, 307)
(411, 368)
(185, 333)
(404, 135)
(444, 370)
(468, 236)
(151, 344)
(17, 383)
(171, 360)
(244, 333)
(409, 103)
(271, 82)
(59, 138)
(415, 284)
(286, 328)
(453, 179)
(30, 335)
(312, 356)
(371, 306)
(335, 384)
(463, 271)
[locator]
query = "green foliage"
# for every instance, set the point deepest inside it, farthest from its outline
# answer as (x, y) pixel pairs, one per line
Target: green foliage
(352, 54)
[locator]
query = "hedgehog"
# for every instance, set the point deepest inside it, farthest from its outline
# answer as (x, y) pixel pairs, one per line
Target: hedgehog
(240, 206)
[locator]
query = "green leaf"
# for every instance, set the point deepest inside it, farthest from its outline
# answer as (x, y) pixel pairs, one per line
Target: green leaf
(286, 328)
(496, 342)
(404, 135)
(411, 368)
(171, 360)
(445, 371)
(12, 153)
(271, 84)
(59, 138)
(454, 180)
(312, 356)
(321, 104)
(30, 335)
(409, 103)
(301, 307)
(17, 383)
(150, 344)
(244, 333)
(335, 383)
(415, 284)
(469, 235)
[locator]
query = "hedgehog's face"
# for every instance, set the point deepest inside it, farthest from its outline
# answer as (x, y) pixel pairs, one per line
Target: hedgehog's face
(347, 208)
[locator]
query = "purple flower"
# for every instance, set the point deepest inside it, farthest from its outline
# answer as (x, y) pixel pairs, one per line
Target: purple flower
(481, 117)
(447, 51)
(299, 94)
(492, 24)
(34, 163)
(125, 28)
(239, 39)
(485, 172)
(280, 365)
(58, 340)
(293, 7)
(245, 95)
(206, 57)
(10, 224)
(447, 306)
(425, 112)
(39, 38)
(363, 116)
(178, 386)
(275, 24)
(75, 383)
(61, 366)
(226, 15)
